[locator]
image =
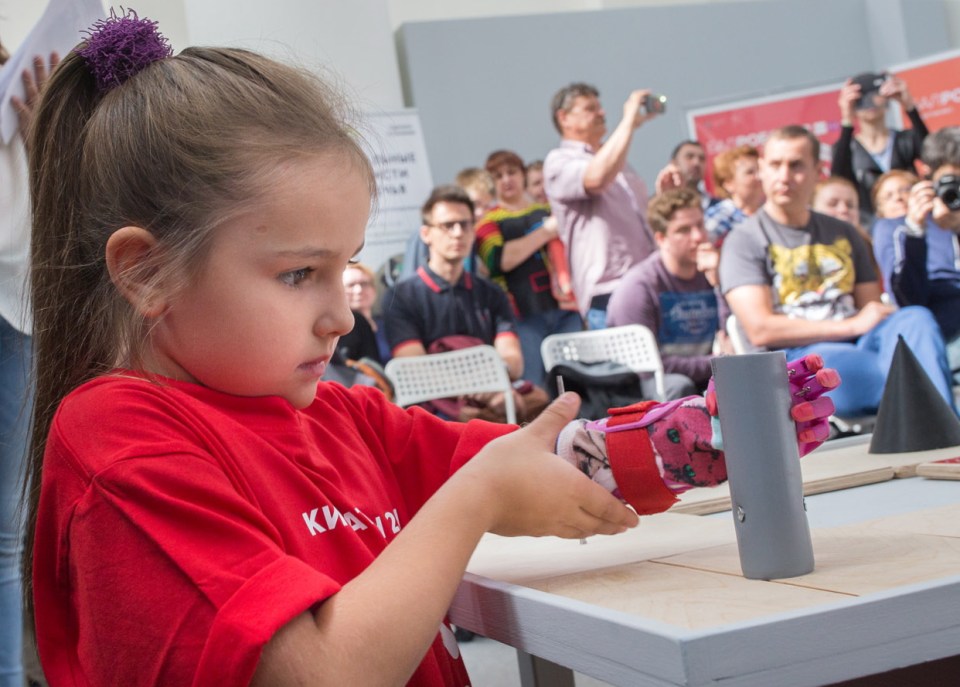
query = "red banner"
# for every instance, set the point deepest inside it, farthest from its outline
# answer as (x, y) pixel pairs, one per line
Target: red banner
(935, 86)
(751, 121)
(934, 83)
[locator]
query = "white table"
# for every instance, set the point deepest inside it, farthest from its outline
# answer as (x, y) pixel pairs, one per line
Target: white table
(666, 605)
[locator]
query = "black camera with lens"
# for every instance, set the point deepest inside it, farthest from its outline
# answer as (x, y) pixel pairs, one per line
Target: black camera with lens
(947, 189)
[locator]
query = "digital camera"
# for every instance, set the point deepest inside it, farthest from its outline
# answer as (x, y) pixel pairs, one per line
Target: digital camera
(947, 189)
(869, 86)
(654, 104)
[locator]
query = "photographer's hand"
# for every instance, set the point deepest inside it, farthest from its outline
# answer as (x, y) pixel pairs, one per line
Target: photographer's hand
(849, 94)
(896, 88)
(919, 206)
(633, 109)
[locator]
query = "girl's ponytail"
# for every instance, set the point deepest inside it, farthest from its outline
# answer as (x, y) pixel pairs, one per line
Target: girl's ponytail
(64, 273)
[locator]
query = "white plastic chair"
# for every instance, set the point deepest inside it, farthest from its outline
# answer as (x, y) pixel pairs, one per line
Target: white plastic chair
(738, 339)
(632, 345)
(441, 375)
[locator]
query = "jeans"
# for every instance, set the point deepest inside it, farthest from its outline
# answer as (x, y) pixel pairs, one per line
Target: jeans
(532, 329)
(15, 402)
(863, 365)
(596, 318)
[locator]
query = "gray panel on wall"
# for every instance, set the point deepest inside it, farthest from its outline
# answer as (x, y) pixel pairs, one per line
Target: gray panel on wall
(483, 84)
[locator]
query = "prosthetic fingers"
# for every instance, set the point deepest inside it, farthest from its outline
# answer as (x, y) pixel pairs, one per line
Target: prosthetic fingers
(649, 452)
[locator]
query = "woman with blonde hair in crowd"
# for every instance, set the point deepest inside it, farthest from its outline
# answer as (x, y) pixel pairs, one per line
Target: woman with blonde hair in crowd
(736, 177)
(366, 340)
(891, 193)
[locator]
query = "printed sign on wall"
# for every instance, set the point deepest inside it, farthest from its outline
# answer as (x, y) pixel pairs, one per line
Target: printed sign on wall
(402, 172)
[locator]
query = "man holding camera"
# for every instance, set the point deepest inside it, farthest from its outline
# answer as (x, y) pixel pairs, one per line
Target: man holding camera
(598, 200)
(803, 282)
(919, 254)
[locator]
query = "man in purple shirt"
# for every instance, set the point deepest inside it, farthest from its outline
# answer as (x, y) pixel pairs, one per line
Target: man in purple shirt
(598, 200)
(672, 292)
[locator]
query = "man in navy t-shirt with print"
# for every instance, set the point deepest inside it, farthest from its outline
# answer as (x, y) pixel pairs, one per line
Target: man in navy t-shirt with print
(672, 292)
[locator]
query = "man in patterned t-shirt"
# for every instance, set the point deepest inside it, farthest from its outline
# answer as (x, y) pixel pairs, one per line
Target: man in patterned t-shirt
(801, 281)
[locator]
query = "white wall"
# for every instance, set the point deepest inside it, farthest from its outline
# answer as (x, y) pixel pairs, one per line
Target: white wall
(485, 83)
(17, 17)
(351, 37)
(431, 10)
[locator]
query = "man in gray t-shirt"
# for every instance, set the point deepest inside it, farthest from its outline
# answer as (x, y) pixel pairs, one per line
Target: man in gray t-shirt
(804, 282)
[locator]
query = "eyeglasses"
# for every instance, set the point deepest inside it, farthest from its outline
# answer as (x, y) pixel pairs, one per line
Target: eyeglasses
(464, 224)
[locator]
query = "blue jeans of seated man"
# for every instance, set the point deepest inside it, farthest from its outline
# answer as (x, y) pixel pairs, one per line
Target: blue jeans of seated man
(532, 329)
(863, 365)
(15, 406)
(596, 318)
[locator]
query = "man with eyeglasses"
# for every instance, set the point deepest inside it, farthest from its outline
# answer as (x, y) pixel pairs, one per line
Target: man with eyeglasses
(443, 306)
(599, 201)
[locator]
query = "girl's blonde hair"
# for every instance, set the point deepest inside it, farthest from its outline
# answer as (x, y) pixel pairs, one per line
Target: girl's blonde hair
(177, 149)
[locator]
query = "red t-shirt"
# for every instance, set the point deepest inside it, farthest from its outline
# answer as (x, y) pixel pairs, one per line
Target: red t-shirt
(179, 528)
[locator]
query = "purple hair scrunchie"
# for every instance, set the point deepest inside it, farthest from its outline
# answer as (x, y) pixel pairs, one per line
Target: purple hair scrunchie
(119, 47)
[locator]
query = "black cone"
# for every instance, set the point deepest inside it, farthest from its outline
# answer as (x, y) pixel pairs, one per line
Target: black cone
(913, 415)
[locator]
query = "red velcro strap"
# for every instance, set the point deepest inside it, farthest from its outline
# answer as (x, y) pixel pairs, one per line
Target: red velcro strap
(633, 463)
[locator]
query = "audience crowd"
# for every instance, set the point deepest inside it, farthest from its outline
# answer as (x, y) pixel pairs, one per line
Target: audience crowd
(779, 250)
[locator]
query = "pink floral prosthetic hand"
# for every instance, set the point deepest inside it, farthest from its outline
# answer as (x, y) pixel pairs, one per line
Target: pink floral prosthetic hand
(649, 452)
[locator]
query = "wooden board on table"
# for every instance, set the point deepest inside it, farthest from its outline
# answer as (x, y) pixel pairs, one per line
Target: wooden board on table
(521, 560)
(829, 468)
(683, 597)
(862, 558)
(948, 468)
(943, 521)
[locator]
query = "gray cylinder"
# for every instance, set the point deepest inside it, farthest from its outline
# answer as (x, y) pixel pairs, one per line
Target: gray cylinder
(763, 465)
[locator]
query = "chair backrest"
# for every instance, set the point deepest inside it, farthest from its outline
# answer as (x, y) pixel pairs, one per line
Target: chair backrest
(441, 375)
(736, 335)
(632, 345)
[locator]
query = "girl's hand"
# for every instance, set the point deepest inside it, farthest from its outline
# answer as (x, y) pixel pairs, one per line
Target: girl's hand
(529, 490)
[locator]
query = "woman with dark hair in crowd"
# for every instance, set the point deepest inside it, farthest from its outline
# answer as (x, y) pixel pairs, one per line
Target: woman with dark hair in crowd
(512, 241)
